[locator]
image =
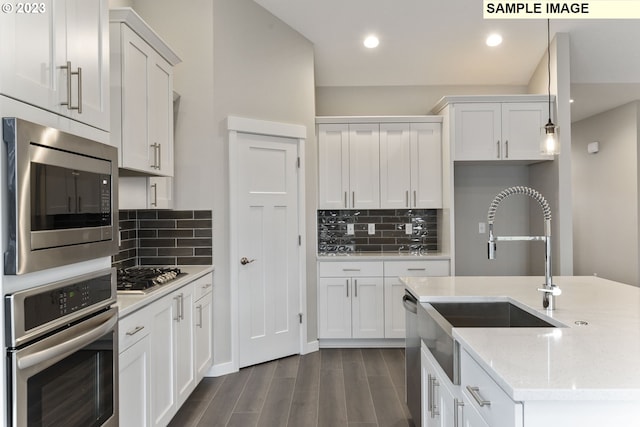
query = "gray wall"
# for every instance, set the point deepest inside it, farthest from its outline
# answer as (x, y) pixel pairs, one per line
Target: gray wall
(605, 195)
(394, 100)
(237, 60)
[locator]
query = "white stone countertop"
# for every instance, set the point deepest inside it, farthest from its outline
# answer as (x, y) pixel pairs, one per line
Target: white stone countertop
(129, 303)
(599, 361)
(381, 256)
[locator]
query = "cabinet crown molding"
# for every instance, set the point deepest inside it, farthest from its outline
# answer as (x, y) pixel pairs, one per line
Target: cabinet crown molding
(377, 119)
(459, 99)
(128, 16)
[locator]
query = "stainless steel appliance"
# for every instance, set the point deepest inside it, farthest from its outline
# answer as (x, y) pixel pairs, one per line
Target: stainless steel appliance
(62, 192)
(142, 280)
(412, 358)
(62, 353)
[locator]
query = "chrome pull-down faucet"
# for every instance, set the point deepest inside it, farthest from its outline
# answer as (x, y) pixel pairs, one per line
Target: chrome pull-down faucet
(549, 290)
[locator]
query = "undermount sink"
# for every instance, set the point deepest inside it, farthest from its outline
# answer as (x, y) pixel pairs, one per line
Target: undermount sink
(436, 321)
(501, 314)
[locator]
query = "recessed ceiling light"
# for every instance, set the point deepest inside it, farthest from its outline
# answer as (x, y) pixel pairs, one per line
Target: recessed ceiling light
(494, 40)
(571, 101)
(371, 42)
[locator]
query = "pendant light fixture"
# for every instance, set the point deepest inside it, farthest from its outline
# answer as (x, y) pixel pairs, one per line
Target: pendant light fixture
(549, 144)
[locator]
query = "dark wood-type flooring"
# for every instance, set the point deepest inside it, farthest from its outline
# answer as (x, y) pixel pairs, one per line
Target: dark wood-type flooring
(330, 387)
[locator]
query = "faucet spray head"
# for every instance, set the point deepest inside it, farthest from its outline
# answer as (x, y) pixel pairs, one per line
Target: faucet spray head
(491, 244)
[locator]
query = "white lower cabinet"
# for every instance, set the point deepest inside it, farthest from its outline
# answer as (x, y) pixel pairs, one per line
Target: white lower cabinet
(134, 369)
(442, 404)
(394, 314)
(165, 349)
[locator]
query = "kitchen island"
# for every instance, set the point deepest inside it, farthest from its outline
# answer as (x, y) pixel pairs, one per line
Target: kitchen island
(585, 371)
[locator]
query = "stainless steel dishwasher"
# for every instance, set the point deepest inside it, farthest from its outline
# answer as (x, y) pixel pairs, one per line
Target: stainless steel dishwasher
(412, 358)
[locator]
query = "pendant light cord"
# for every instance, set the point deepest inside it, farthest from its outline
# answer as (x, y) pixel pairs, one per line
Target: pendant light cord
(549, 64)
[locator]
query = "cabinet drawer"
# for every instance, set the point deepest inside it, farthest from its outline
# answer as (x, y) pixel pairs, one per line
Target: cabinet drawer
(438, 267)
(132, 328)
(499, 410)
(350, 269)
(203, 286)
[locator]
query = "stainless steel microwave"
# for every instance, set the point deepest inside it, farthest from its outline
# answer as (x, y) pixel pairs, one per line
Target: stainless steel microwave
(62, 197)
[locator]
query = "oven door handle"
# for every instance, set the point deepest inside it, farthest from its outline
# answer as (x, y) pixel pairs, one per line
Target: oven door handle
(67, 347)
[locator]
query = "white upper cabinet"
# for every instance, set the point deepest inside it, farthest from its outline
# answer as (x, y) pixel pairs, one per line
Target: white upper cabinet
(60, 58)
(410, 165)
(380, 162)
(141, 95)
(349, 166)
(499, 130)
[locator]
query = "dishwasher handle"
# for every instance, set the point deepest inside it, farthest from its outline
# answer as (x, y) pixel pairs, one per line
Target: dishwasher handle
(410, 303)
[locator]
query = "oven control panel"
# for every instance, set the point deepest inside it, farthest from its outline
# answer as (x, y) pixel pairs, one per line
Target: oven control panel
(58, 303)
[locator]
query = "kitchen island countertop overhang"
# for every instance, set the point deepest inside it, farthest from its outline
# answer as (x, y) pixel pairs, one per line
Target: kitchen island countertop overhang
(597, 361)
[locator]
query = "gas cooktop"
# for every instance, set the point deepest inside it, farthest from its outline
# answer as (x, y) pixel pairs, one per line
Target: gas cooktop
(142, 280)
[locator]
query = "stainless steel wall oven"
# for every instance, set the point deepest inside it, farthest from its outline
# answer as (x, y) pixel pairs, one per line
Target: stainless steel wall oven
(62, 353)
(62, 192)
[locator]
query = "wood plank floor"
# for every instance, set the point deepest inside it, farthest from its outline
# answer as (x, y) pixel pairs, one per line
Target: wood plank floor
(330, 387)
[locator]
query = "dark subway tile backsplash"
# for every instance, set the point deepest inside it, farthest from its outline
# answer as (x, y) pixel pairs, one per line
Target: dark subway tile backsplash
(153, 237)
(390, 233)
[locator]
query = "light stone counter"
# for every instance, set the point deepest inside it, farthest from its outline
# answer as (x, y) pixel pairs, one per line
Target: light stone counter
(599, 361)
(382, 256)
(128, 303)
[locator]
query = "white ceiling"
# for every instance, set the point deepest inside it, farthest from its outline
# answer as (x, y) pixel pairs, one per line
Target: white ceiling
(441, 42)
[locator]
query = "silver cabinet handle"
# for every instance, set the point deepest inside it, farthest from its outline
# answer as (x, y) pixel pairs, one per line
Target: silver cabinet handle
(154, 187)
(506, 149)
(430, 395)
(406, 196)
(345, 200)
(457, 405)
(177, 300)
(475, 393)
(435, 411)
(160, 156)
(353, 200)
(498, 149)
(79, 73)
(199, 324)
(347, 286)
(135, 330)
(69, 74)
(416, 269)
(355, 288)
(415, 198)
(155, 155)
(181, 307)
(350, 269)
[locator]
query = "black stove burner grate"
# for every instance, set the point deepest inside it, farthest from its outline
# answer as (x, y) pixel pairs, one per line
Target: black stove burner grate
(144, 278)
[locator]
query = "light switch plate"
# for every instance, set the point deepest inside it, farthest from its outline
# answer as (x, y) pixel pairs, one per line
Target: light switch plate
(482, 227)
(350, 229)
(408, 228)
(372, 229)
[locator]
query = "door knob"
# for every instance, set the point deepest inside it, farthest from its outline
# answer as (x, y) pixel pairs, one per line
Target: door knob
(244, 260)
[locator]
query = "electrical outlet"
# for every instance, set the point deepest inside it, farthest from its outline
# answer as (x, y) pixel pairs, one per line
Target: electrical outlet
(408, 228)
(372, 229)
(350, 229)
(482, 227)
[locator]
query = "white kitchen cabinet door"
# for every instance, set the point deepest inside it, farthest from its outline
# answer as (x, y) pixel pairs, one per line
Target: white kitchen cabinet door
(522, 124)
(160, 192)
(203, 336)
(163, 361)
(136, 55)
(367, 307)
(477, 131)
(161, 115)
(364, 166)
(426, 166)
(334, 307)
(185, 344)
(394, 312)
(87, 49)
(135, 385)
(333, 166)
(395, 165)
(142, 103)
(471, 416)
(39, 46)
(429, 391)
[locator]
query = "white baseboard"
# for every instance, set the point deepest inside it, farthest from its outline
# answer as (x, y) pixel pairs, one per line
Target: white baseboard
(362, 343)
(310, 347)
(221, 369)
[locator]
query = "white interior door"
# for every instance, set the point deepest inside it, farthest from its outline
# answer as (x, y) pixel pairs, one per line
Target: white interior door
(268, 248)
